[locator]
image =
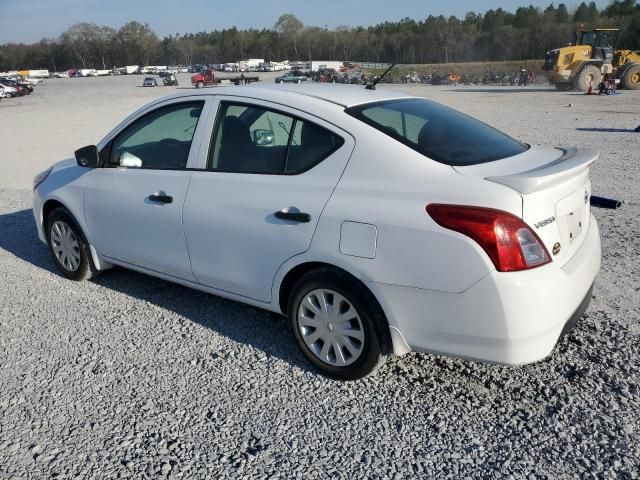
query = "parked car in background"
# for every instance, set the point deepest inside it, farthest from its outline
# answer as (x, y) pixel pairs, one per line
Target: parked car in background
(376, 221)
(22, 88)
(21, 81)
(9, 90)
(150, 82)
(170, 80)
(294, 76)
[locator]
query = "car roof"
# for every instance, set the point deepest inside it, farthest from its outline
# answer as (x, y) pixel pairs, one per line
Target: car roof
(340, 94)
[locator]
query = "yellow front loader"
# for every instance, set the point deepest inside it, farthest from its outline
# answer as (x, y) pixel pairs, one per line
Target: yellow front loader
(584, 64)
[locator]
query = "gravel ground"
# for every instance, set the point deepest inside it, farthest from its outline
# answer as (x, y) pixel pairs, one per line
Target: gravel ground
(128, 376)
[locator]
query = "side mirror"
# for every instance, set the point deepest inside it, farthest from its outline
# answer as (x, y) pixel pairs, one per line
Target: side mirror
(263, 137)
(87, 156)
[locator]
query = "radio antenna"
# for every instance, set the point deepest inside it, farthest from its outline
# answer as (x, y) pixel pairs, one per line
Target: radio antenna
(372, 85)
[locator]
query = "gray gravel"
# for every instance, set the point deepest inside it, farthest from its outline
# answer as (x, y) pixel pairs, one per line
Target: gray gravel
(128, 376)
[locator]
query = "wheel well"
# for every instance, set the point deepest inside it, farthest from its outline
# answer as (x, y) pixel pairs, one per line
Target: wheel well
(48, 207)
(297, 272)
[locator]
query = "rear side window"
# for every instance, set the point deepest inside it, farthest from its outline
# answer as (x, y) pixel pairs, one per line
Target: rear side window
(253, 139)
(438, 132)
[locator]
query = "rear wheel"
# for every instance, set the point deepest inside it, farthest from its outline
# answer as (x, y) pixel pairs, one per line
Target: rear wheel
(589, 75)
(68, 247)
(338, 324)
(199, 85)
(631, 78)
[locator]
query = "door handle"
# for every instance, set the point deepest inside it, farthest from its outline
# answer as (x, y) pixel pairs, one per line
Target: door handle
(160, 198)
(293, 216)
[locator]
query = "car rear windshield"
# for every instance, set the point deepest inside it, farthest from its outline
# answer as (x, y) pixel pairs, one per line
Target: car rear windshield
(438, 132)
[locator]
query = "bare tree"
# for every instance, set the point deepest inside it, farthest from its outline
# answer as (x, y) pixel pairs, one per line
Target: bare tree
(289, 27)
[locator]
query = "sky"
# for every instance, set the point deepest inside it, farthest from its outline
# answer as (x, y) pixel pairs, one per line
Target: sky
(30, 20)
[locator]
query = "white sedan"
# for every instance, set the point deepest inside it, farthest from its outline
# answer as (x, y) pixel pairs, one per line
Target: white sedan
(377, 222)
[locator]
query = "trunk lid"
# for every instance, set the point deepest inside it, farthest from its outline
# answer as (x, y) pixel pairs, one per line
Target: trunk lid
(555, 189)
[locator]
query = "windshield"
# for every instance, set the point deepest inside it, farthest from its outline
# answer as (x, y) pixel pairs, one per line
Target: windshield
(600, 39)
(438, 132)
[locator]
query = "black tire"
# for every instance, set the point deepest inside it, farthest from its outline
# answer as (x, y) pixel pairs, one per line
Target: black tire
(631, 78)
(590, 74)
(86, 269)
(377, 339)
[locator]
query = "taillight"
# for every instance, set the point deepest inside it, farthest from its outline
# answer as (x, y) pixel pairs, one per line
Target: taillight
(509, 242)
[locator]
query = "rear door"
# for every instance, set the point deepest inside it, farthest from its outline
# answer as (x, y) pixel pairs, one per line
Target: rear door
(268, 174)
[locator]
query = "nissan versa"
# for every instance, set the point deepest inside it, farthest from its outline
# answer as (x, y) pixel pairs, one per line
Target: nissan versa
(377, 222)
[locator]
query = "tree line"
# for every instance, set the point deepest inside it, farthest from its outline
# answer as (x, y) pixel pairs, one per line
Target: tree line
(496, 35)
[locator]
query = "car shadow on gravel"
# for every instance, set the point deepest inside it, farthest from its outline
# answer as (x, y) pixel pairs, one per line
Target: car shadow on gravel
(501, 89)
(242, 323)
(19, 237)
(607, 130)
(262, 330)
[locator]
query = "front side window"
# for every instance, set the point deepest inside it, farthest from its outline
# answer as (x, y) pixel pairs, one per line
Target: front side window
(438, 132)
(253, 139)
(160, 139)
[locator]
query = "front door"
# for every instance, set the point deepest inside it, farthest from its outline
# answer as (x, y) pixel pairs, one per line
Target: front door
(270, 171)
(133, 204)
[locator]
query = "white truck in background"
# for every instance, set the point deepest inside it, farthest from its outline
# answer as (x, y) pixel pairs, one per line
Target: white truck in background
(129, 70)
(275, 66)
(35, 73)
(328, 64)
(87, 72)
(250, 64)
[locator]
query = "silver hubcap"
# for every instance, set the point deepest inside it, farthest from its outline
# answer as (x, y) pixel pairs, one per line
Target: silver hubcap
(65, 246)
(331, 327)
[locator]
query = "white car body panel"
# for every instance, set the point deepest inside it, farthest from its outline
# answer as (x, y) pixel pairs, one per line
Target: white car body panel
(235, 242)
(124, 223)
(438, 288)
(511, 318)
(555, 190)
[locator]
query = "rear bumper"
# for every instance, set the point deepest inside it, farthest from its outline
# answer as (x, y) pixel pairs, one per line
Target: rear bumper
(508, 318)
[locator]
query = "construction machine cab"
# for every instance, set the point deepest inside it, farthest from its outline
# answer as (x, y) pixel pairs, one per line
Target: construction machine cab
(602, 41)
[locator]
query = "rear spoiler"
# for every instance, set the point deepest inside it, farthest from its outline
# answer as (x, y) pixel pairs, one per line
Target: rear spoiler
(567, 166)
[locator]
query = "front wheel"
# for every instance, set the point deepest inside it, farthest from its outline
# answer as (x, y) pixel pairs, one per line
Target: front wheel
(338, 324)
(631, 78)
(589, 76)
(68, 247)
